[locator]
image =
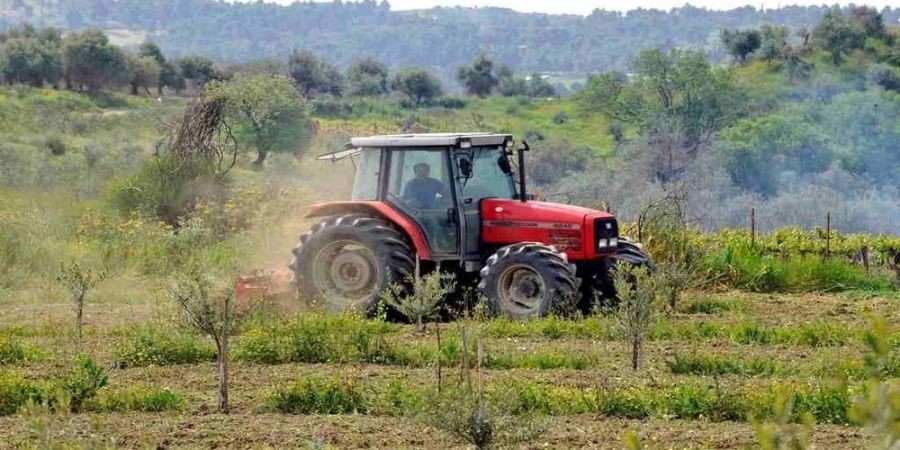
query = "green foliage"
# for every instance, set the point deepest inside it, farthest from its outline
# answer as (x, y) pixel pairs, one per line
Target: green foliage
(710, 306)
(637, 290)
(143, 72)
(711, 365)
(137, 399)
(30, 56)
(878, 409)
(13, 351)
(200, 69)
(368, 77)
(483, 422)
(83, 382)
(151, 345)
(313, 75)
(311, 338)
(421, 301)
(92, 62)
(838, 34)
(420, 87)
(741, 43)
(782, 433)
(480, 78)
(268, 113)
(317, 395)
(15, 391)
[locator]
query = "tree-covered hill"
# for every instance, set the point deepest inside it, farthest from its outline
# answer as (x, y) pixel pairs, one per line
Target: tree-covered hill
(440, 38)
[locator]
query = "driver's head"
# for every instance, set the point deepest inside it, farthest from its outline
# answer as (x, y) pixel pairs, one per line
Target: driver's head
(422, 170)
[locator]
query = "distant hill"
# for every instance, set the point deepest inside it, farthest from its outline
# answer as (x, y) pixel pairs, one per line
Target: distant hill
(439, 38)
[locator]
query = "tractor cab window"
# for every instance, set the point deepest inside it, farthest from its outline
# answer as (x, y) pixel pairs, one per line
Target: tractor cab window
(419, 184)
(488, 179)
(366, 185)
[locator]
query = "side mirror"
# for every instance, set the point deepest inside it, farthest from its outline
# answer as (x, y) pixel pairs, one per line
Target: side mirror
(503, 163)
(465, 168)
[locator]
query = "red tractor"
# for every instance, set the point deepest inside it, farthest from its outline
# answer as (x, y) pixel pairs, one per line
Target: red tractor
(452, 202)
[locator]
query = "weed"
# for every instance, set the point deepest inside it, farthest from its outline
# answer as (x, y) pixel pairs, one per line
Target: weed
(710, 306)
(711, 365)
(315, 395)
(147, 345)
(142, 399)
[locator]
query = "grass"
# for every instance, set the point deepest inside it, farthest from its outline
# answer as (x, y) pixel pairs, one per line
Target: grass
(314, 395)
(712, 365)
(147, 345)
(137, 399)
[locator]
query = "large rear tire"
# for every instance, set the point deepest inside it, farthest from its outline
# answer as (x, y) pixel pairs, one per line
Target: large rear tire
(348, 262)
(527, 280)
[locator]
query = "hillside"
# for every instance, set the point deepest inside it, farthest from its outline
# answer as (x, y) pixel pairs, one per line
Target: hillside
(439, 38)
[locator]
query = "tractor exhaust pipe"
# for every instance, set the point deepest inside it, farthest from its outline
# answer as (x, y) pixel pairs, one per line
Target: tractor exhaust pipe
(523, 196)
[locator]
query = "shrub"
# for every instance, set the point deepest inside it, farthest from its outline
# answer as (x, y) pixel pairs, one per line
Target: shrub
(143, 399)
(15, 391)
(481, 421)
(423, 301)
(314, 395)
(150, 345)
(451, 103)
(12, 351)
(83, 382)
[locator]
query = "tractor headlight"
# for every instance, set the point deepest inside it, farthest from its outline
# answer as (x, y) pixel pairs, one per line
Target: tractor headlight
(613, 242)
(603, 243)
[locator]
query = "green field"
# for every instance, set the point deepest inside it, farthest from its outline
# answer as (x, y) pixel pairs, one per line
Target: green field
(714, 368)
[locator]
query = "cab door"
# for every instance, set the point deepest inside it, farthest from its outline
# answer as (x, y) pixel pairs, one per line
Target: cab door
(419, 184)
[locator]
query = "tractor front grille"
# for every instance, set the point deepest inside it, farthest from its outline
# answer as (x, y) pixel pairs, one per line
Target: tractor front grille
(606, 234)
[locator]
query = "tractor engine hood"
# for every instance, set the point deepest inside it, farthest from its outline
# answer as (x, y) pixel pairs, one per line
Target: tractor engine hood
(571, 229)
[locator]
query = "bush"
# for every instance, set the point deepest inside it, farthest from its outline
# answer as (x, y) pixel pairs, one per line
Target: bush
(314, 395)
(15, 391)
(451, 103)
(149, 345)
(143, 399)
(12, 351)
(83, 382)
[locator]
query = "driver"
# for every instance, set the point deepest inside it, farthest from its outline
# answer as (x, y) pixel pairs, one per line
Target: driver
(423, 190)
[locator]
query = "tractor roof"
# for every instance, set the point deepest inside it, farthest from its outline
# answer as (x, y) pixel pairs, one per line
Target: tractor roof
(431, 140)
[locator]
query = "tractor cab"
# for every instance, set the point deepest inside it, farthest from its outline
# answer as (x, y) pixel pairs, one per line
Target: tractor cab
(455, 202)
(439, 182)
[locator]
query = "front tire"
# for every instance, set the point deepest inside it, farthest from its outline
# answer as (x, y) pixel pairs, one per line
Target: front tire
(349, 261)
(600, 287)
(527, 280)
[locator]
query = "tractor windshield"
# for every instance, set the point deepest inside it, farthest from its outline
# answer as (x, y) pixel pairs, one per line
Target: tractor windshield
(488, 180)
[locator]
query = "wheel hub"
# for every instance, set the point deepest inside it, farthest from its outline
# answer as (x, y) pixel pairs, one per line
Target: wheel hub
(521, 289)
(345, 271)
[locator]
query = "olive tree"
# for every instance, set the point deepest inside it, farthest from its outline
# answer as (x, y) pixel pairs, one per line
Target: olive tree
(636, 288)
(209, 309)
(422, 302)
(480, 78)
(269, 113)
(92, 62)
(418, 85)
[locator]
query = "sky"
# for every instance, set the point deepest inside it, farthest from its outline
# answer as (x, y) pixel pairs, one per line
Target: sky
(585, 7)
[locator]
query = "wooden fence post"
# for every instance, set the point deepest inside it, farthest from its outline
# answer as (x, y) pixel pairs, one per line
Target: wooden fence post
(827, 234)
(752, 227)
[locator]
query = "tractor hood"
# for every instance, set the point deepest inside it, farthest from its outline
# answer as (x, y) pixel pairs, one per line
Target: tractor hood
(540, 212)
(571, 229)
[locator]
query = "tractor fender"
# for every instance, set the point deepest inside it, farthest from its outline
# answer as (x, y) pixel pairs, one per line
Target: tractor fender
(377, 209)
